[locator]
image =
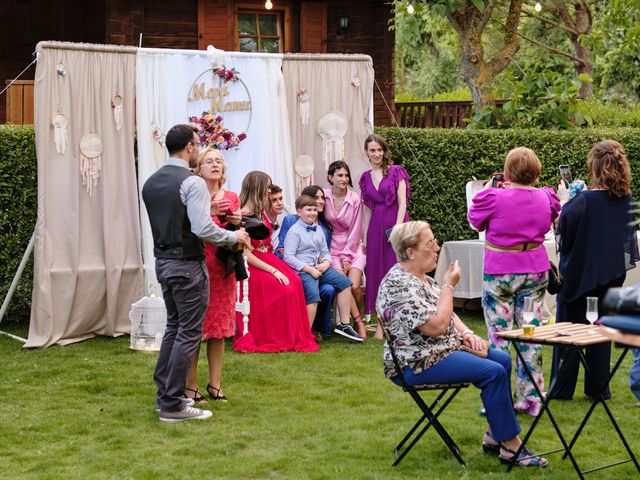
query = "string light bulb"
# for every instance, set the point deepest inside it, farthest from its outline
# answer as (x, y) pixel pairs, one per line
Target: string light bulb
(538, 7)
(410, 8)
(268, 5)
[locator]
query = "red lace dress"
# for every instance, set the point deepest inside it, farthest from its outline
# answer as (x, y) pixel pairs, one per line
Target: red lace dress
(218, 322)
(278, 321)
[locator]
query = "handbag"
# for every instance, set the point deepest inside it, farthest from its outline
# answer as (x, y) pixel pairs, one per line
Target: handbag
(555, 281)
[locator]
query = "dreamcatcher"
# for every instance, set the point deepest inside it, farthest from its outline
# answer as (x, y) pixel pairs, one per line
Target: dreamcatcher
(116, 106)
(90, 160)
(332, 127)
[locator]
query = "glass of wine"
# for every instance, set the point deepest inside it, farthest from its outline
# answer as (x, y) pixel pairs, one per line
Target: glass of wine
(592, 312)
(528, 313)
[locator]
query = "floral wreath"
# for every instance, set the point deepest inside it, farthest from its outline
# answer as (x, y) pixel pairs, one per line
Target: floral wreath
(226, 74)
(212, 132)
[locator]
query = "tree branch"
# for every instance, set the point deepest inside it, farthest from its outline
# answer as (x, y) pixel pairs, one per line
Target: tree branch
(551, 49)
(550, 22)
(564, 15)
(512, 39)
(488, 11)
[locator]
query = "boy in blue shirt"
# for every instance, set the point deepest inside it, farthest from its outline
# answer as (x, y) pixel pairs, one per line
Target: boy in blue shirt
(306, 251)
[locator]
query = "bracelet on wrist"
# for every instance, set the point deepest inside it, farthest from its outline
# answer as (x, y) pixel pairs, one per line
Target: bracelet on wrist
(446, 285)
(468, 331)
(273, 272)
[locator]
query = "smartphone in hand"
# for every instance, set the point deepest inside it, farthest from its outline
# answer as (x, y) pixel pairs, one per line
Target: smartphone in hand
(565, 175)
(497, 180)
(388, 232)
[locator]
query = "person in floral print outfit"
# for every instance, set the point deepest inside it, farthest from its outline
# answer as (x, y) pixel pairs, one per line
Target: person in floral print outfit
(427, 337)
(516, 265)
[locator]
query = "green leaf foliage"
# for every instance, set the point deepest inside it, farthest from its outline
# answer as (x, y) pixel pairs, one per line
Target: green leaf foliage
(441, 161)
(18, 199)
(536, 100)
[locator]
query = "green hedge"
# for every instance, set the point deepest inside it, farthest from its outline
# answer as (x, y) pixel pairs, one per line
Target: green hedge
(18, 202)
(441, 161)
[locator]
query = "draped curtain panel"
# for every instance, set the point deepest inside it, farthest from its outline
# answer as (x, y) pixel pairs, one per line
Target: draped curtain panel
(333, 82)
(164, 82)
(88, 265)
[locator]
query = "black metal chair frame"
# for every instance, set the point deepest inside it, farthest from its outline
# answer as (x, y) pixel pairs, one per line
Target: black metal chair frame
(447, 393)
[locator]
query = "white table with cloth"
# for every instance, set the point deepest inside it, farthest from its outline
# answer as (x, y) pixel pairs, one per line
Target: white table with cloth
(470, 256)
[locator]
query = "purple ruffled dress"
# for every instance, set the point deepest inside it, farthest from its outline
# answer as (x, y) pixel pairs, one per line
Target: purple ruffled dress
(383, 204)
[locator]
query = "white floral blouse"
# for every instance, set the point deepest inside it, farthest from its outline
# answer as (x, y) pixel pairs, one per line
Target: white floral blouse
(404, 303)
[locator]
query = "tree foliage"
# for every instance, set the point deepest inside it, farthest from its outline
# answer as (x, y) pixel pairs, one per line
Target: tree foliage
(615, 41)
(536, 100)
(564, 39)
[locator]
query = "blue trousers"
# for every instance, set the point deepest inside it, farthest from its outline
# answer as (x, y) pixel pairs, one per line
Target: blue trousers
(634, 376)
(322, 322)
(492, 375)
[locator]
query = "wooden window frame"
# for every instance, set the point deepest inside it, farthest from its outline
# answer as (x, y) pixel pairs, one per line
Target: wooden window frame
(282, 8)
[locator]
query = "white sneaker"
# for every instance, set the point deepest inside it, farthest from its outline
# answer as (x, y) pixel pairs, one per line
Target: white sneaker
(189, 413)
(187, 402)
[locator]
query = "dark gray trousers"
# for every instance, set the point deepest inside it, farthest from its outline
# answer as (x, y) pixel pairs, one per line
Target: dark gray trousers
(185, 288)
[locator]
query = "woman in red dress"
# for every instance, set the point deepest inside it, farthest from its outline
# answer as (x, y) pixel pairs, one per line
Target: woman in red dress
(278, 321)
(218, 322)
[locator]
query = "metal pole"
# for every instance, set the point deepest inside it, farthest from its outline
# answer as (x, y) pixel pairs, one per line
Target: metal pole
(14, 284)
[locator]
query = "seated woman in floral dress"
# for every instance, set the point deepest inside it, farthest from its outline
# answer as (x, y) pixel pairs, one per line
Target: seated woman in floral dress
(427, 337)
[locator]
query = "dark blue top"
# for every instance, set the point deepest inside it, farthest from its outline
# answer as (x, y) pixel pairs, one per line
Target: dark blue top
(596, 243)
(287, 222)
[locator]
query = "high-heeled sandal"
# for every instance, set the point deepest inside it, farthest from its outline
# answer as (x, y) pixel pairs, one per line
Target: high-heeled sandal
(197, 397)
(217, 397)
(491, 448)
(526, 458)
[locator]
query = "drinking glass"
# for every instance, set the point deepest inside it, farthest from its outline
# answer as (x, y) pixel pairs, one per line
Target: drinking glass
(527, 310)
(592, 312)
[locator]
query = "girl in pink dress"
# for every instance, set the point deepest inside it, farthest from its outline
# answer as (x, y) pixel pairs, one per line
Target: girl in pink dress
(278, 321)
(218, 322)
(344, 211)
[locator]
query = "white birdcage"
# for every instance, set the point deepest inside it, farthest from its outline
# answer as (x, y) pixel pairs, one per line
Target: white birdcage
(148, 320)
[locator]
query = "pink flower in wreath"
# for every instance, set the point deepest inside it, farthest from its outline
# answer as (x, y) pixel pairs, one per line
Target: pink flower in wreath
(242, 136)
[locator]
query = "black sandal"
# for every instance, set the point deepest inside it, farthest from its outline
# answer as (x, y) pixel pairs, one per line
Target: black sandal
(197, 398)
(217, 397)
(525, 455)
(491, 448)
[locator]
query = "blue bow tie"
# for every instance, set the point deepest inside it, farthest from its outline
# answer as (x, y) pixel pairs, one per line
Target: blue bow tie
(311, 228)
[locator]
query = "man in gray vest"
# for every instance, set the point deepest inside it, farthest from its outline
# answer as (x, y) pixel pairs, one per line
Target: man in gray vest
(179, 208)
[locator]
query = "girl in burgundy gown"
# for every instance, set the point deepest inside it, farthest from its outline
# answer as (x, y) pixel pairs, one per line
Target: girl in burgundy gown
(278, 321)
(385, 192)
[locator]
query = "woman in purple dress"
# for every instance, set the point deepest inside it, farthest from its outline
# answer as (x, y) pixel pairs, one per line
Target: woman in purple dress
(385, 192)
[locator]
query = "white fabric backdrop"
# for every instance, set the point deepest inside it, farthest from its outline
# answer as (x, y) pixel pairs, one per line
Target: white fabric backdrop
(163, 82)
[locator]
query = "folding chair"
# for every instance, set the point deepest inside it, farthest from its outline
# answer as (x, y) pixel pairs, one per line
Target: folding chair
(447, 393)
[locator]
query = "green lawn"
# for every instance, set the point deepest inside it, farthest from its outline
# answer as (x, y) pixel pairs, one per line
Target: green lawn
(87, 411)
